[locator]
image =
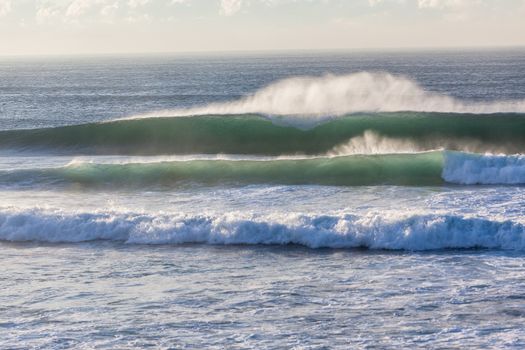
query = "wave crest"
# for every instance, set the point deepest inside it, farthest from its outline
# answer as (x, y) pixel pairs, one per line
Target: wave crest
(336, 95)
(404, 169)
(373, 231)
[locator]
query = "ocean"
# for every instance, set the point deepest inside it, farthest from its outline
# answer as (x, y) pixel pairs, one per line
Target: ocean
(306, 200)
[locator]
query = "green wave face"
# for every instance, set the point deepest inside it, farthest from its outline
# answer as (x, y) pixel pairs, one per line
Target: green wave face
(398, 169)
(251, 134)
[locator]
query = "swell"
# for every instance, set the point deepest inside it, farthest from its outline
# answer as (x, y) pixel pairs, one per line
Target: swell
(372, 231)
(253, 134)
(395, 169)
(414, 169)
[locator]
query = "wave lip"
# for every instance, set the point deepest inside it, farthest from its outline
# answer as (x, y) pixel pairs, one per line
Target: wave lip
(416, 232)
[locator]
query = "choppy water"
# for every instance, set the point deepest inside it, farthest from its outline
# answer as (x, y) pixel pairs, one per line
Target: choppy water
(109, 295)
(297, 200)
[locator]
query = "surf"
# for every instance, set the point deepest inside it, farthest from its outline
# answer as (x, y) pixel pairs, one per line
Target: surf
(400, 169)
(416, 232)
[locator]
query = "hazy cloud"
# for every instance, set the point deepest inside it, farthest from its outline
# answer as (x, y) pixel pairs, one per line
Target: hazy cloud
(104, 10)
(5, 7)
(230, 7)
(445, 3)
(55, 26)
(137, 3)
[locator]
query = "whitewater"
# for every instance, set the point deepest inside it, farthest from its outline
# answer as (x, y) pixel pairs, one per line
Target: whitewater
(285, 200)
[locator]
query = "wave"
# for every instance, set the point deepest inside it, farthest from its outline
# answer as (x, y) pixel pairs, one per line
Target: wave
(257, 135)
(397, 169)
(315, 97)
(470, 169)
(373, 231)
(415, 169)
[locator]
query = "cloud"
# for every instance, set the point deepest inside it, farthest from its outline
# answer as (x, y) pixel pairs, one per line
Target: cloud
(137, 3)
(373, 3)
(78, 8)
(443, 4)
(46, 12)
(5, 7)
(93, 11)
(430, 4)
(453, 10)
(230, 7)
(102, 10)
(109, 9)
(77, 11)
(68, 11)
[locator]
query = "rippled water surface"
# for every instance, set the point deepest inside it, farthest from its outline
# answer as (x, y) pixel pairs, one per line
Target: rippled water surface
(108, 295)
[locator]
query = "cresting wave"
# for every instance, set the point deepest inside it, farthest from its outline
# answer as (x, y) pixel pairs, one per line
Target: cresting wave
(373, 231)
(415, 169)
(396, 169)
(257, 135)
(331, 95)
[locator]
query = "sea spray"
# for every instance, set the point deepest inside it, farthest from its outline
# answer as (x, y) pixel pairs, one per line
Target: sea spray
(312, 98)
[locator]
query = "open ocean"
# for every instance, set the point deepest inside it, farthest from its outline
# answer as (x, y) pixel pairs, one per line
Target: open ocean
(263, 201)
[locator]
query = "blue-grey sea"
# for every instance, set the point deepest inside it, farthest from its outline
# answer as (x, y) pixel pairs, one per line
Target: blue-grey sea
(306, 200)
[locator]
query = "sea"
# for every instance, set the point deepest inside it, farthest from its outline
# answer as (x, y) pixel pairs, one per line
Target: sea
(263, 200)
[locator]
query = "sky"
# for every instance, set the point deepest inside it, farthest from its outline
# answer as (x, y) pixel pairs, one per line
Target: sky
(41, 27)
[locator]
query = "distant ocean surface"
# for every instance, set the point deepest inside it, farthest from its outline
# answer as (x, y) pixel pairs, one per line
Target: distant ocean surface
(264, 201)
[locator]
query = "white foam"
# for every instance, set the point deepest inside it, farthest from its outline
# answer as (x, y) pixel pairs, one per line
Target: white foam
(311, 98)
(374, 231)
(471, 169)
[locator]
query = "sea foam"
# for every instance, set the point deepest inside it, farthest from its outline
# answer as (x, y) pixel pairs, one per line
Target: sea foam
(471, 169)
(373, 231)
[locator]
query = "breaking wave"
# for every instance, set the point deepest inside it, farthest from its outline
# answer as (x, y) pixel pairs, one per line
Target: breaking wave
(470, 169)
(373, 231)
(336, 95)
(412, 169)
(395, 169)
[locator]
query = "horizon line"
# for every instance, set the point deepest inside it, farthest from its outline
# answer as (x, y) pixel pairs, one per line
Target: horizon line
(270, 51)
